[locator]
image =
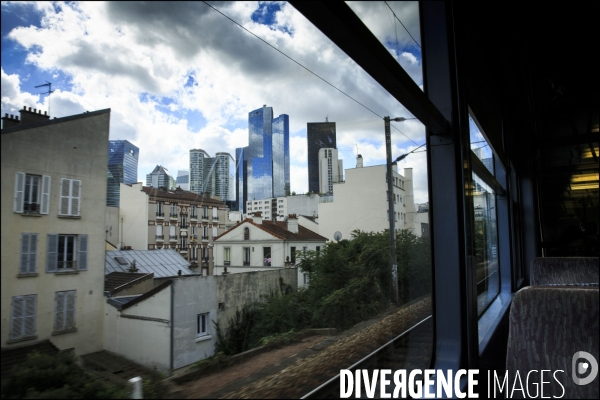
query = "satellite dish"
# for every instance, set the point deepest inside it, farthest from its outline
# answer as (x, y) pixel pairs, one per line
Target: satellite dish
(337, 236)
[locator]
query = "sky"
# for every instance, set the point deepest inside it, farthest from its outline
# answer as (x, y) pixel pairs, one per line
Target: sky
(179, 75)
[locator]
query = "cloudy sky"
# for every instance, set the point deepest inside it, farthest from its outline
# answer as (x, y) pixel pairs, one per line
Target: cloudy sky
(180, 75)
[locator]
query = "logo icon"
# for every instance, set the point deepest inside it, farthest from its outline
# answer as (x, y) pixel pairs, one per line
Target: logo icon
(582, 367)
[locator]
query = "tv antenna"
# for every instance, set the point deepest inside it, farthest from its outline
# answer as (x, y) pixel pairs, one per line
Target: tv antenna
(49, 92)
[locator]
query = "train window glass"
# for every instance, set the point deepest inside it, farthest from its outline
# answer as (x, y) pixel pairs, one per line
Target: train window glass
(485, 243)
(480, 146)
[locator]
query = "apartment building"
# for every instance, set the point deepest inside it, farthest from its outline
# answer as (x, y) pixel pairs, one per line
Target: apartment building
(53, 197)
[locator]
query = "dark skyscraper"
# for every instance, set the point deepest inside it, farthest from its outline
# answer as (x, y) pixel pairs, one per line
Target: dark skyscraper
(263, 168)
(319, 135)
(122, 168)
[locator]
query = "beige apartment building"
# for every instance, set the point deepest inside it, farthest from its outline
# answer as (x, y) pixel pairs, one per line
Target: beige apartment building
(157, 218)
(53, 197)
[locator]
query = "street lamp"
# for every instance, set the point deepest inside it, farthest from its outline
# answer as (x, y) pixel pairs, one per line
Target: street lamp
(391, 212)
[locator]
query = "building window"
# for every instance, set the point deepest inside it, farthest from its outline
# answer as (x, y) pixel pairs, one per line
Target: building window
(28, 253)
(215, 213)
(66, 253)
(193, 255)
(173, 210)
(183, 222)
(159, 232)
(215, 232)
(193, 212)
(183, 245)
(267, 256)
(70, 198)
(172, 234)
(64, 311)
(246, 255)
(293, 255)
(202, 325)
(227, 256)
(204, 213)
(159, 209)
(246, 233)
(23, 315)
(205, 233)
(32, 194)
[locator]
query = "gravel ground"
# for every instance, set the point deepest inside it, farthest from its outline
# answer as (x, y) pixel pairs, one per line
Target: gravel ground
(306, 374)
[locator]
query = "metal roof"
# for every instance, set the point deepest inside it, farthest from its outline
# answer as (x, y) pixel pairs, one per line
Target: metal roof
(163, 263)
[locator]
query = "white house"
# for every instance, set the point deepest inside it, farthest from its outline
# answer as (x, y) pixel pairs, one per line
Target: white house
(257, 245)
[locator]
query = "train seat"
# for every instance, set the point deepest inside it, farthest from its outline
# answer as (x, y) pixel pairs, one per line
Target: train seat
(564, 271)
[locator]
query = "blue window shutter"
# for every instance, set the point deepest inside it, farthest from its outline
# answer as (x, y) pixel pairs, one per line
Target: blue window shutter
(33, 242)
(59, 311)
(82, 261)
(24, 262)
(51, 253)
(45, 206)
(70, 309)
(19, 192)
(16, 320)
(75, 198)
(65, 197)
(30, 314)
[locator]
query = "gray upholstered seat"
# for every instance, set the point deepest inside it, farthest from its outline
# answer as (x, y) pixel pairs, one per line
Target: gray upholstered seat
(564, 270)
(548, 325)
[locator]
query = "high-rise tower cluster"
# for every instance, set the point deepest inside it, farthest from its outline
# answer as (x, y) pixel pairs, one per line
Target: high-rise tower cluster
(263, 167)
(213, 175)
(122, 168)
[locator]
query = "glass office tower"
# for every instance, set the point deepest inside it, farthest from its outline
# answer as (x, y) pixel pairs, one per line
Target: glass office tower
(263, 167)
(224, 179)
(200, 171)
(122, 168)
(319, 135)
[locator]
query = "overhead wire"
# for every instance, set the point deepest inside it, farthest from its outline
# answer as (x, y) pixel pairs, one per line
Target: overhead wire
(306, 68)
(417, 43)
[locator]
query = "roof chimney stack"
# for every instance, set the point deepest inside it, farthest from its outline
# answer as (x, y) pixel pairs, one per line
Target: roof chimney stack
(29, 116)
(359, 161)
(292, 223)
(257, 217)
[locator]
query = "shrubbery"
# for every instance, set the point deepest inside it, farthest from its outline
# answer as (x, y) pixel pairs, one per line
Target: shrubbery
(349, 283)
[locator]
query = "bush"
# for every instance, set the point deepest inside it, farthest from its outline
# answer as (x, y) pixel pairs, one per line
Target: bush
(47, 377)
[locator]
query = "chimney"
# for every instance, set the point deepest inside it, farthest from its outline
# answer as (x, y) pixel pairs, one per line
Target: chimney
(29, 116)
(359, 161)
(257, 217)
(292, 223)
(10, 121)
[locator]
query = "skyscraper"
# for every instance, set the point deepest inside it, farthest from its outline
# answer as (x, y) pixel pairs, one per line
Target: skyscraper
(200, 171)
(319, 135)
(183, 179)
(122, 168)
(224, 179)
(160, 177)
(264, 165)
(331, 170)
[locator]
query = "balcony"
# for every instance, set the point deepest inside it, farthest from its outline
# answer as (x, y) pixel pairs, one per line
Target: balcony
(31, 208)
(246, 263)
(194, 217)
(183, 226)
(160, 238)
(183, 233)
(226, 262)
(172, 238)
(205, 218)
(160, 216)
(67, 265)
(205, 238)
(173, 216)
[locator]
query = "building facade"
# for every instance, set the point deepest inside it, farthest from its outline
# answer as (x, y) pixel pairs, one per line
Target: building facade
(263, 167)
(319, 135)
(172, 219)
(224, 177)
(123, 159)
(331, 170)
(361, 202)
(53, 197)
(200, 171)
(160, 177)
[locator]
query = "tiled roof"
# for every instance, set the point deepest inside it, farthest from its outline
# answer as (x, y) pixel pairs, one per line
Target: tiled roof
(116, 280)
(163, 263)
(279, 230)
(182, 195)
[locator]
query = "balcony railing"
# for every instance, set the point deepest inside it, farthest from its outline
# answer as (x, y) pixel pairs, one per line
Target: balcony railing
(246, 263)
(205, 238)
(205, 217)
(226, 262)
(31, 208)
(183, 226)
(173, 238)
(173, 216)
(70, 265)
(160, 215)
(160, 237)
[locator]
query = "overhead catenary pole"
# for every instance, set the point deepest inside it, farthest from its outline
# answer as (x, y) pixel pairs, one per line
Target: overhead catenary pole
(391, 212)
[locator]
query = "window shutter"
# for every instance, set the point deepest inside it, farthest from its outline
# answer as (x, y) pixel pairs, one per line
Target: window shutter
(24, 265)
(30, 311)
(16, 329)
(19, 192)
(70, 309)
(82, 255)
(33, 241)
(59, 311)
(45, 207)
(75, 198)
(51, 253)
(65, 190)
